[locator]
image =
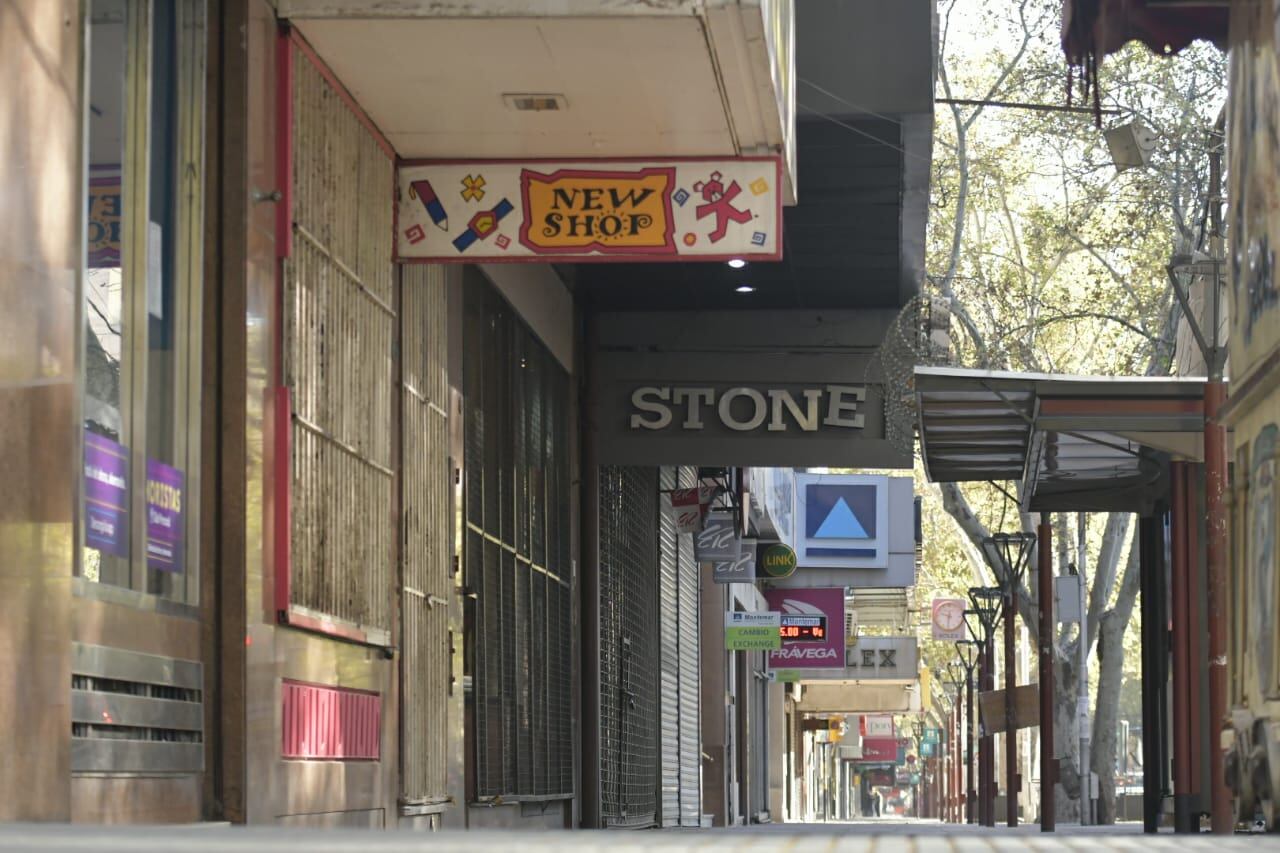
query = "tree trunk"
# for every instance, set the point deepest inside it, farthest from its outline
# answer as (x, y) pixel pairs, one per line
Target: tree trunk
(1066, 744)
(1111, 630)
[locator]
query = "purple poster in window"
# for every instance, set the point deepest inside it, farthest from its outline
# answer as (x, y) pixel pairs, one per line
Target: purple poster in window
(106, 495)
(164, 517)
(812, 628)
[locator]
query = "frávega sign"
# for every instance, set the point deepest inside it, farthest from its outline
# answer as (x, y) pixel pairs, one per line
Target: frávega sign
(743, 409)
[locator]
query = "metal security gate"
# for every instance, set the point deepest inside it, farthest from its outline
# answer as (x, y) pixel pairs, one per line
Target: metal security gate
(426, 520)
(340, 326)
(629, 646)
(516, 555)
(678, 614)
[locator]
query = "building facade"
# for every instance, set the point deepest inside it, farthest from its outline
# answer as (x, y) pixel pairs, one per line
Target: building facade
(310, 527)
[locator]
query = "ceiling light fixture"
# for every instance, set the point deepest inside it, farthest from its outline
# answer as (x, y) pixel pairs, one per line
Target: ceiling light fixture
(745, 288)
(737, 263)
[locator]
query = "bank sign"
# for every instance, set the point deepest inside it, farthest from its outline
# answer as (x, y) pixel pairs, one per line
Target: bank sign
(590, 210)
(812, 628)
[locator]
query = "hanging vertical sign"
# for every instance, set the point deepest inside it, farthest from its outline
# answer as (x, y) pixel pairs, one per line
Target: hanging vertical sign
(106, 495)
(718, 539)
(688, 505)
(165, 523)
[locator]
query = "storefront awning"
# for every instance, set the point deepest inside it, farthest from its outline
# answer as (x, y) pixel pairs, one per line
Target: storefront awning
(1074, 443)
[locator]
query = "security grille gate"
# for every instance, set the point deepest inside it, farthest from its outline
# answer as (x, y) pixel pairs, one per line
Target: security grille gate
(340, 323)
(678, 613)
(426, 520)
(516, 553)
(629, 646)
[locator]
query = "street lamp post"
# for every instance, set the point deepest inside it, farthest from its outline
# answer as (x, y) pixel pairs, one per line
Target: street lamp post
(968, 652)
(983, 617)
(917, 728)
(955, 679)
(1013, 552)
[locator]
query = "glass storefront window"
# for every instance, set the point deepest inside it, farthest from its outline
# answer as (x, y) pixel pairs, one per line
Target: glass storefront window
(143, 278)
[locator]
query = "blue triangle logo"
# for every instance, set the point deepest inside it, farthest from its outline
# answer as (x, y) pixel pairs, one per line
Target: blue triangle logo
(841, 523)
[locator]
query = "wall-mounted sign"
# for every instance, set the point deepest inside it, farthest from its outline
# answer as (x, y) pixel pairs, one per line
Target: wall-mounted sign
(876, 726)
(948, 619)
(718, 539)
(789, 389)
(590, 210)
(741, 569)
(883, 658)
(106, 495)
(752, 631)
(165, 525)
(776, 561)
(744, 408)
(812, 628)
(842, 520)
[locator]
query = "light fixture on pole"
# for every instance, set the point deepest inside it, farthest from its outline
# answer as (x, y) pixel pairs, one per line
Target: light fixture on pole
(968, 653)
(982, 617)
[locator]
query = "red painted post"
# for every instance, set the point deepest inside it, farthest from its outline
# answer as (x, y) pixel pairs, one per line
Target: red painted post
(1044, 565)
(1010, 717)
(1181, 665)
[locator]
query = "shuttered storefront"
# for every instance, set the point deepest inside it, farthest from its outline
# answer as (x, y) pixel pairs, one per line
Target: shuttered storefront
(426, 519)
(678, 615)
(516, 553)
(629, 646)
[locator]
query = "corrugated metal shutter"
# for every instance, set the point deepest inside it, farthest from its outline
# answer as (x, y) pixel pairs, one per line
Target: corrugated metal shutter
(426, 519)
(690, 675)
(516, 552)
(669, 614)
(340, 323)
(678, 600)
(629, 646)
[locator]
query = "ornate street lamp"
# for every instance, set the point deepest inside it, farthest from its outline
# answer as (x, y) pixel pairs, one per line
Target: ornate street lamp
(968, 652)
(1009, 554)
(982, 618)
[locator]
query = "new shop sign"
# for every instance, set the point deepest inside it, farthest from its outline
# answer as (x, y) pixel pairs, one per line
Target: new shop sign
(743, 409)
(591, 210)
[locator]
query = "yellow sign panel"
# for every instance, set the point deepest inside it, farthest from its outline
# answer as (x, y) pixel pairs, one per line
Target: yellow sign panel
(573, 210)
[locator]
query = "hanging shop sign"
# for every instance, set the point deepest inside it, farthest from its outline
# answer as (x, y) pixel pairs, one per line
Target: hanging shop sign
(843, 520)
(948, 619)
(752, 631)
(932, 734)
(688, 506)
(742, 569)
(718, 539)
(812, 628)
(165, 521)
(106, 495)
(876, 725)
(786, 389)
(775, 561)
(880, 749)
(883, 658)
(590, 210)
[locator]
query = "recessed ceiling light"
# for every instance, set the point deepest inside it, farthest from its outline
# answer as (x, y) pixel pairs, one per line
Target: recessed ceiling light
(745, 288)
(737, 263)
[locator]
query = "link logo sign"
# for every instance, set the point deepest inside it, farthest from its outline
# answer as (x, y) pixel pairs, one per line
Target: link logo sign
(592, 210)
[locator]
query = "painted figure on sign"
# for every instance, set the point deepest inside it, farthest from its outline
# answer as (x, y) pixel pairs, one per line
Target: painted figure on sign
(719, 202)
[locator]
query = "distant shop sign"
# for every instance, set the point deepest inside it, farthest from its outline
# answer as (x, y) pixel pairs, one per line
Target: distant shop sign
(590, 210)
(752, 631)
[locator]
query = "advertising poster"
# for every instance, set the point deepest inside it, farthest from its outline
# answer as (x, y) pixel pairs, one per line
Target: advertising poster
(106, 495)
(812, 628)
(165, 523)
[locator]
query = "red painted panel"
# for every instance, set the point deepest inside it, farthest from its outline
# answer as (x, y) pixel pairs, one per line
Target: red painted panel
(333, 723)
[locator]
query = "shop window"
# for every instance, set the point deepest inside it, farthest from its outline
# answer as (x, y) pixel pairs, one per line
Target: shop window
(516, 553)
(142, 282)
